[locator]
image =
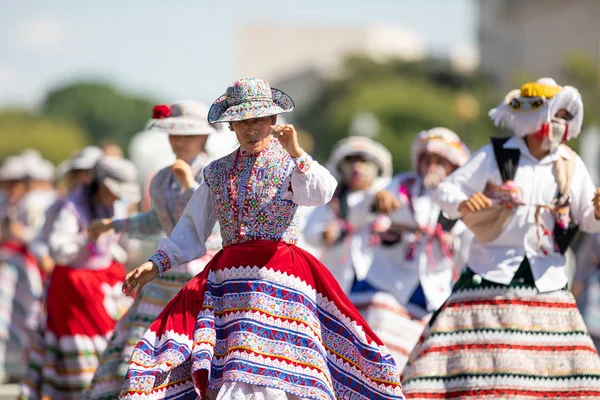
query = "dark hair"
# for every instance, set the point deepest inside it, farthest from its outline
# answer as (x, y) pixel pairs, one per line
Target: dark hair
(91, 192)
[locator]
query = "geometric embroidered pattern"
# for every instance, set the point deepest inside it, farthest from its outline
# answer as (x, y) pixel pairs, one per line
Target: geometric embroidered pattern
(505, 342)
(263, 327)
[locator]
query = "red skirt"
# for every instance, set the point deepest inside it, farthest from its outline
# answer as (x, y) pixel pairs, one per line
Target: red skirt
(82, 309)
(265, 314)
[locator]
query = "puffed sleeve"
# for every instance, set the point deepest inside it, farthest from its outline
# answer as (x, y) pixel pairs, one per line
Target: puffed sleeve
(467, 180)
(187, 241)
(312, 184)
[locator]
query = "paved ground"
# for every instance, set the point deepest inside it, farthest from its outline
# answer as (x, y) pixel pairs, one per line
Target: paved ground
(8, 392)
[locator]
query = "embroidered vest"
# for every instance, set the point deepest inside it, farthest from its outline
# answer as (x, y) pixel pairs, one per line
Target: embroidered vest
(253, 195)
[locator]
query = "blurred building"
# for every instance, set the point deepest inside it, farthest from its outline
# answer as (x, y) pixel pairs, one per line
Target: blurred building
(294, 58)
(534, 37)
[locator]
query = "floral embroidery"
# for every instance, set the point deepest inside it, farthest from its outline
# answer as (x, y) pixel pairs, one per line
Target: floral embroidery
(303, 163)
(162, 261)
(253, 192)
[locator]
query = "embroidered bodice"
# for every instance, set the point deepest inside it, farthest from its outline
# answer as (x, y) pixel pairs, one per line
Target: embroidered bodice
(253, 196)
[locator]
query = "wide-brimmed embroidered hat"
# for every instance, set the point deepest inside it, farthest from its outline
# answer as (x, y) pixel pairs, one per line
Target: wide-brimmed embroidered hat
(363, 146)
(184, 117)
(249, 98)
(440, 141)
(525, 110)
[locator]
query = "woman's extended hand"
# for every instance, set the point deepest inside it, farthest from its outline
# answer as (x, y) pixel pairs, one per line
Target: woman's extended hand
(136, 279)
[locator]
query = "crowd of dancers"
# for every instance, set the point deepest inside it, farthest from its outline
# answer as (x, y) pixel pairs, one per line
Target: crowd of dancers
(280, 278)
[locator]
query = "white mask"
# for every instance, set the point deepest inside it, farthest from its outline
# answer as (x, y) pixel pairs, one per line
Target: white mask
(552, 138)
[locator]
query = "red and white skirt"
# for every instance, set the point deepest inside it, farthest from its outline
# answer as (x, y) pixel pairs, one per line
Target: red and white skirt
(491, 341)
(82, 308)
(263, 319)
(20, 302)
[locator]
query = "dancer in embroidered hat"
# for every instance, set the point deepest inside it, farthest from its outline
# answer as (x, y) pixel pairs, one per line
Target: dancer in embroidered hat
(83, 300)
(511, 328)
(420, 253)
(264, 319)
(27, 182)
(170, 190)
(346, 231)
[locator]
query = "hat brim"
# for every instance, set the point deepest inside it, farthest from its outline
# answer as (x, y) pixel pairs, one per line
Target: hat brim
(123, 190)
(221, 111)
(182, 126)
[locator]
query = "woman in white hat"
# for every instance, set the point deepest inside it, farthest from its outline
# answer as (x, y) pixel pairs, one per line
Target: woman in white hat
(83, 299)
(345, 230)
(28, 181)
(421, 251)
(511, 328)
(265, 319)
(170, 190)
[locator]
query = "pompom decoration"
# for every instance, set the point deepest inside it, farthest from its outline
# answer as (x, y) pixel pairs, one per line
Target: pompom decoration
(161, 111)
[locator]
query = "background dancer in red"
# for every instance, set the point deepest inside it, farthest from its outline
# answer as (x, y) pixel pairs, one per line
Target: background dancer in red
(83, 301)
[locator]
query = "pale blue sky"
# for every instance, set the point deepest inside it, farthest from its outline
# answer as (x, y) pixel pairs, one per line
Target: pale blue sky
(180, 48)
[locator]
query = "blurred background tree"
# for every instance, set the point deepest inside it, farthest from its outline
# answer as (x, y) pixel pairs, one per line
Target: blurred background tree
(100, 110)
(583, 72)
(56, 140)
(405, 98)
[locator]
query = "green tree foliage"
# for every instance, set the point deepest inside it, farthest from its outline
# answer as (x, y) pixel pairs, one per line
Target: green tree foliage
(406, 97)
(56, 140)
(102, 111)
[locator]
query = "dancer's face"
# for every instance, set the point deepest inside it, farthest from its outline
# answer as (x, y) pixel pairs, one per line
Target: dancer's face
(15, 190)
(105, 197)
(358, 173)
(80, 177)
(434, 168)
(254, 134)
(187, 147)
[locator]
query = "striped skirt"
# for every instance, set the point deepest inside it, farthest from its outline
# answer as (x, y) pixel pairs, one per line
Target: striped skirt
(491, 341)
(263, 320)
(398, 326)
(21, 288)
(110, 375)
(82, 308)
